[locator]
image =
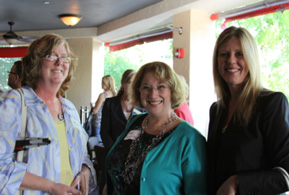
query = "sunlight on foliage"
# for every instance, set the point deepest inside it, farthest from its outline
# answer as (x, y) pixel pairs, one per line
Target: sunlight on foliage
(115, 63)
(271, 31)
(5, 65)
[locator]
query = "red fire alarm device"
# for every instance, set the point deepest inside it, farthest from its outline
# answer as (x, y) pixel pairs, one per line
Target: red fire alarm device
(180, 53)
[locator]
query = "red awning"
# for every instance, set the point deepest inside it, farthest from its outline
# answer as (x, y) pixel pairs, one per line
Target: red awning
(138, 41)
(257, 9)
(13, 52)
(260, 12)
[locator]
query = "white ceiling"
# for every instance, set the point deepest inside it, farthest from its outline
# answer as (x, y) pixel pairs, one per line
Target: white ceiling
(106, 20)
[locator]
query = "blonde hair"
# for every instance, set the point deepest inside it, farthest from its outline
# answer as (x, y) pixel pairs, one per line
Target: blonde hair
(186, 86)
(109, 82)
(32, 61)
(252, 86)
(164, 73)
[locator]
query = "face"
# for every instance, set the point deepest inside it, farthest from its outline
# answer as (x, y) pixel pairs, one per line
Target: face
(155, 95)
(55, 72)
(125, 87)
(231, 63)
(103, 85)
(13, 78)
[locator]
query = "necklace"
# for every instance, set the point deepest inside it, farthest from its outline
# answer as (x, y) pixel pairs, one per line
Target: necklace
(224, 129)
(132, 163)
(127, 105)
(60, 117)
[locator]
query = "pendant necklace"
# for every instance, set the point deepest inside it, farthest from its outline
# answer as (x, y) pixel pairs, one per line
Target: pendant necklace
(127, 105)
(60, 117)
(132, 163)
(224, 129)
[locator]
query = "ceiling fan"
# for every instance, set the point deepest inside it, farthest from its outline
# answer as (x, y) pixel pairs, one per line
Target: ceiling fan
(10, 37)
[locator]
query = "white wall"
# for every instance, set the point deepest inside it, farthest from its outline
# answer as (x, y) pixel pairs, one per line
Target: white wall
(85, 86)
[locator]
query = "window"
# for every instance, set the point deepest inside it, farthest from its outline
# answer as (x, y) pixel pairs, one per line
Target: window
(5, 65)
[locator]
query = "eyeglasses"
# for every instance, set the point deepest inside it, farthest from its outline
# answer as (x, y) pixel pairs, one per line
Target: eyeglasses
(9, 72)
(147, 89)
(54, 58)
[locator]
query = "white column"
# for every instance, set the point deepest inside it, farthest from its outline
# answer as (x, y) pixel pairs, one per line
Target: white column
(198, 40)
(86, 84)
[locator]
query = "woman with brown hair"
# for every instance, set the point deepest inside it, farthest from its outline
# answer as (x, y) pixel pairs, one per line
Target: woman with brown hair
(55, 168)
(115, 114)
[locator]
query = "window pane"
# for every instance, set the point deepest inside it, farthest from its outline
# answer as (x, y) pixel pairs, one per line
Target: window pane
(5, 65)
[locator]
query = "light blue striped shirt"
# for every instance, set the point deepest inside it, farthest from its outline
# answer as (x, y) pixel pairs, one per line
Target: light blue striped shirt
(43, 161)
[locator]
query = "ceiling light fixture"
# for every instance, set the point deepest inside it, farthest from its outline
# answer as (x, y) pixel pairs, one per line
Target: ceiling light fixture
(10, 41)
(70, 19)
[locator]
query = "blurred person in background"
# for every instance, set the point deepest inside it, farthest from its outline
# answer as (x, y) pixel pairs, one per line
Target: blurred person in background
(108, 85)
(184, 111)
(14, 77)
(115, 114)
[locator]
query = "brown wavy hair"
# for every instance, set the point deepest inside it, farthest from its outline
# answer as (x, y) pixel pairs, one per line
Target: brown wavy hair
(32, 61)
(126, 77)
(164, 73)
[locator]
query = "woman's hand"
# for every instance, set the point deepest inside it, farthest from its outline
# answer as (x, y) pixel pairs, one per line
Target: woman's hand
(104, 191)
(34, 182)
(61, 189)
(229, 187)
(81, 181)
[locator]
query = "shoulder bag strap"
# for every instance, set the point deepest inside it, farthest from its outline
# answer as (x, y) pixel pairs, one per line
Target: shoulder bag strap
(20, 154)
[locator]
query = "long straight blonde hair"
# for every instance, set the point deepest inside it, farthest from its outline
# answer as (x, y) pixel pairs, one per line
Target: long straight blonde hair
(252, 85)
(109, 82)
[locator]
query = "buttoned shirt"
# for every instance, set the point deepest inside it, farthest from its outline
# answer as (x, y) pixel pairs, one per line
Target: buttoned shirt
(44, 160)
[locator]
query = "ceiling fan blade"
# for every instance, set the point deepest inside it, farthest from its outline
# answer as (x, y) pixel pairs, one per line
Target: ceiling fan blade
(10, 35)
(27, 39)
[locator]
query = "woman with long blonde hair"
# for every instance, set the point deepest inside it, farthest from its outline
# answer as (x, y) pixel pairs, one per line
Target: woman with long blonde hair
(248, 135)
(108, 85)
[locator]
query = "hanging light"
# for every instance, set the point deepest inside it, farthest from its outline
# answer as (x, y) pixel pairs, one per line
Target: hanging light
(70, 19)
(10, 41)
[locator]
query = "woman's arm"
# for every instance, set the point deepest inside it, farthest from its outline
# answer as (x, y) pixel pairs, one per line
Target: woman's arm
(105, 125)
(82, 179)
(274, 126)
(34, 182)
(98, 103)
(11, 172)
(194, 166)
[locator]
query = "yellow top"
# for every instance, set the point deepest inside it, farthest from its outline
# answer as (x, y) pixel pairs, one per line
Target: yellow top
(66, 171)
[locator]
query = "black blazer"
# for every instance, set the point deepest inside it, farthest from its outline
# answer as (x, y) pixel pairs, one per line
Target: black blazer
(251, 151)
(113, 121)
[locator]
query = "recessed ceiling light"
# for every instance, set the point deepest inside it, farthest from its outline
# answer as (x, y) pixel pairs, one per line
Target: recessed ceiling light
(46, 2)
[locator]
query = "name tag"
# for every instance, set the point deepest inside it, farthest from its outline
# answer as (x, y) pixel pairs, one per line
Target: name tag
(133, 134)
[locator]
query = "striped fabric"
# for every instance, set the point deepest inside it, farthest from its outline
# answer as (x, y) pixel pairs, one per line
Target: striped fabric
(44, 160)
